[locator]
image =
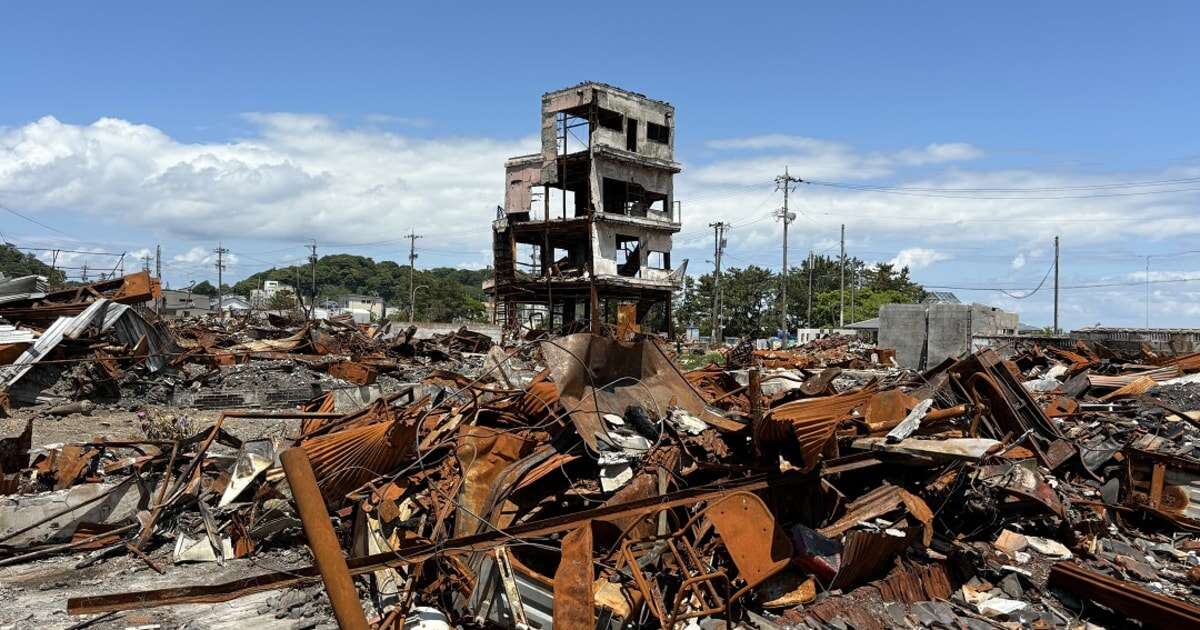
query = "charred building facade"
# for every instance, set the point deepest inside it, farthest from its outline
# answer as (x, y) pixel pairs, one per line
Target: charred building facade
(584, 236)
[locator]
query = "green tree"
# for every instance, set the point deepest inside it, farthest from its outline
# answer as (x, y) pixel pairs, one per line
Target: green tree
(204, 287)
(15, 263)
(751, 296)
(448, 294)
(281, 301)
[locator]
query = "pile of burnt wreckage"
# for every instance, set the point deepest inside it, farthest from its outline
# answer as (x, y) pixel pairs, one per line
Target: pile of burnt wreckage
(586, 481)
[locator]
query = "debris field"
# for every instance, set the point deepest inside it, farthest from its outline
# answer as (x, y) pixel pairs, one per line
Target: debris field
(584, 480)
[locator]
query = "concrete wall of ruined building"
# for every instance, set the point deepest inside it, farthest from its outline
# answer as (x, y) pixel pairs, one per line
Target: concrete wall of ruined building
(604, 249)
(641, 109)
(520, 176)
(652, 179)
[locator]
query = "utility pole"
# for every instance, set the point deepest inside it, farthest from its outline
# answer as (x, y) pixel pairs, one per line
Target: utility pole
(1056, 285)
(842, 290)
(811, 262)
(220, 252)
(312, 262)
(158, 276)
(83, 277)
(718, 248)
(412, 263)
(784, 182)
(146, 263)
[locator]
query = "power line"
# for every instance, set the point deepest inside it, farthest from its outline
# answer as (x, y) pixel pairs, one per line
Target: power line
(68, 251)
(1036, 289)
(1098, 285)
(1013, 220)
(34, 221)
(1027, 189)
(952, 195)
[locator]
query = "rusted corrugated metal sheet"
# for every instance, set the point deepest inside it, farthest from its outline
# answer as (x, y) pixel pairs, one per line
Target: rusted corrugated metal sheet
(810, 422)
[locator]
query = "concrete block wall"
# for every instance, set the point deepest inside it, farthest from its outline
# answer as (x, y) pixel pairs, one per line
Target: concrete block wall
(924, 335)
(950, 329)
(902, 328)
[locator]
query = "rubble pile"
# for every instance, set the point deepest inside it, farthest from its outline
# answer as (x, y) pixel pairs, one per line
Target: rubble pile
(101, 343)
(831, 351)
(585, 481)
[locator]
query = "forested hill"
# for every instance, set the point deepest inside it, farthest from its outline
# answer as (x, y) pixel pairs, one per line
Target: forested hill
(15, 263)
(446, 294)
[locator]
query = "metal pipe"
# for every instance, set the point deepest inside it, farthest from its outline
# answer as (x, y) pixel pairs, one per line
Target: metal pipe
(322, 540)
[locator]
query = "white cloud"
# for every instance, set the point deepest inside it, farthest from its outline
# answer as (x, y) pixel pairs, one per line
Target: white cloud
(813, 158)
(777, 141)
(406, 121)
(917, 258)
(1164, 276)
(939, 153)
(201, 257)
(298, 176)
(192, 256)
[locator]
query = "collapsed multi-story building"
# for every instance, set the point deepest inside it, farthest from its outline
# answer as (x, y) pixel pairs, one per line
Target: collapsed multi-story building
(584, 236)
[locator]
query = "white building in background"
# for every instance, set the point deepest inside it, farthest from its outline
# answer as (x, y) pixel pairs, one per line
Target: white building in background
(260, 297)
(235, 304)
(365, 308)
(180, 304)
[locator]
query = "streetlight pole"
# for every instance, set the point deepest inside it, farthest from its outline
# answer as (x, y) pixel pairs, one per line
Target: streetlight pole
(412, 316)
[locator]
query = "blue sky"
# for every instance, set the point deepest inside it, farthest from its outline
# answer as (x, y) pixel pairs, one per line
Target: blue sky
(123, 125)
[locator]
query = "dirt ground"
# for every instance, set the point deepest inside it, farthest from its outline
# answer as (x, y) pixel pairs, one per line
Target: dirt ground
(37, 591)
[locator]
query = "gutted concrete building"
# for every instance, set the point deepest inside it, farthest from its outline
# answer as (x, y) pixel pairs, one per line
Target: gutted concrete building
(584, 236)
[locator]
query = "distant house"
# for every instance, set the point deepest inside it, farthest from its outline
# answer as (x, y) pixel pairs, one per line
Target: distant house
(178, 304)
(867, 329)
(235, 304)
(940, 297)
(260, 297)
(368, 306)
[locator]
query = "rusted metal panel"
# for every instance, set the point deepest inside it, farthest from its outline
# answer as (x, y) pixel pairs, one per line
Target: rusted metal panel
(866, 554)
(573, 600)
(597, 375)
(758, 546)
(808, 424)
(1166, 486)
(344, 460)
(353, 372)
(1140, 385)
